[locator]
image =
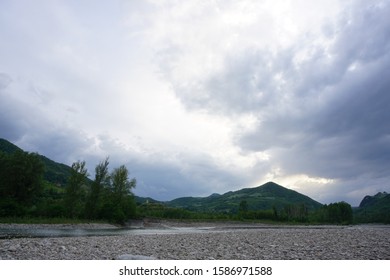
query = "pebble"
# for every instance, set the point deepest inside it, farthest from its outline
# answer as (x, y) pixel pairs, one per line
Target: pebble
(270, 243)
(135, 257)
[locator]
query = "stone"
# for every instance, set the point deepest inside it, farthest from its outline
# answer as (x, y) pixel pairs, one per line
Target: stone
(135, 257)
(13, 248)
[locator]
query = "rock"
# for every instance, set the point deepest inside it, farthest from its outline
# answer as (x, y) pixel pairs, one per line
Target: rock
(13, 248)
(135, 257)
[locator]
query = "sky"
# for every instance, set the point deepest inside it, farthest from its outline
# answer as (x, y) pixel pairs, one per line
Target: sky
(202, 97)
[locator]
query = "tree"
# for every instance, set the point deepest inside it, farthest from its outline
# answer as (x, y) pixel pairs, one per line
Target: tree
(121, 186)
(340, 212)
(123, 204)
(295, 212)
(335, 213)
(21, 177)
(74, 191)
(99, 185)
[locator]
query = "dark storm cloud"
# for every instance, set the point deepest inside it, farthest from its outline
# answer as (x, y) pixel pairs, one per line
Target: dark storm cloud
(321, 103)
(340, 127)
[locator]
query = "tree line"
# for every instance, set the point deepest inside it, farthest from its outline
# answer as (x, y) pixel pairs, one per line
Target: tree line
(23, 192)
(334, 213)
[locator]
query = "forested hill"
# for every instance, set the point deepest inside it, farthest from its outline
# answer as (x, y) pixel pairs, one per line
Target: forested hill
(7, 147)
(56, 173)
(374, 209)
(264, 197)
(32, 185)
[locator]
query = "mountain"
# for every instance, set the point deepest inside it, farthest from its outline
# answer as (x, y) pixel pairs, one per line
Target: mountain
(56, 173)
(374, 209)
(263, 197)
(369, 201)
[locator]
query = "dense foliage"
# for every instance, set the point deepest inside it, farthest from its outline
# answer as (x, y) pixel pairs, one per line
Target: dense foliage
(20, 182)
(25, 192)
(374, 209)
(334, 213)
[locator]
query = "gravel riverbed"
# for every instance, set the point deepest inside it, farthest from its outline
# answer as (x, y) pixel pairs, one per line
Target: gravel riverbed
(210, 242)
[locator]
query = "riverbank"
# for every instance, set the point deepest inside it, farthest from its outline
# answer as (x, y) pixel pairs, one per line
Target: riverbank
(58, 226)
(214, 241)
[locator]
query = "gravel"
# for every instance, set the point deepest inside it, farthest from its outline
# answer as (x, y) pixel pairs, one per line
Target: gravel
(361, 242)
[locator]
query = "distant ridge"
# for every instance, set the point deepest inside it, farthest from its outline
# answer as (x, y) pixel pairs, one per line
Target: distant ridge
(263, 197)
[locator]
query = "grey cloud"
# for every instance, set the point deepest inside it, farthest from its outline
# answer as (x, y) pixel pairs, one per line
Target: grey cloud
(245, 83)
(165, 178)
(327, 116)
(185, 176)
(366, 32)
(341, 128)
(26, 124)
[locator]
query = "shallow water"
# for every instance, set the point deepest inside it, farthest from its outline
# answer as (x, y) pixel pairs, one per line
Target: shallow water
(6, 233)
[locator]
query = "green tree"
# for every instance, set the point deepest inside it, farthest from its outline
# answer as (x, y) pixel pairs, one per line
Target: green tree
(334, 213)
(121, 186)
(20, 181)
(123, 204)
(340, 212)
(74, 196)
(99, 186)
(296, 212)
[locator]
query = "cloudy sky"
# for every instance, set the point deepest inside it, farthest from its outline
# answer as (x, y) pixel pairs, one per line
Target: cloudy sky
(202, 97)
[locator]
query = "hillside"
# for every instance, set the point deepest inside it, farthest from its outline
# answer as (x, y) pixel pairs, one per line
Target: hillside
(374, 209)
(7, 147)
(56, 173)
(263, 197)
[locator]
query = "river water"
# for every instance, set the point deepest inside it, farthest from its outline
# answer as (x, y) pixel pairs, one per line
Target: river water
(6, 233)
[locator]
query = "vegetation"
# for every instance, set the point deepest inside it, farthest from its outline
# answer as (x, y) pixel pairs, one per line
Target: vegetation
(374, 209)
(24, 191)
(35, 188)
(20, 182)
(334, 213)
(264, 197)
